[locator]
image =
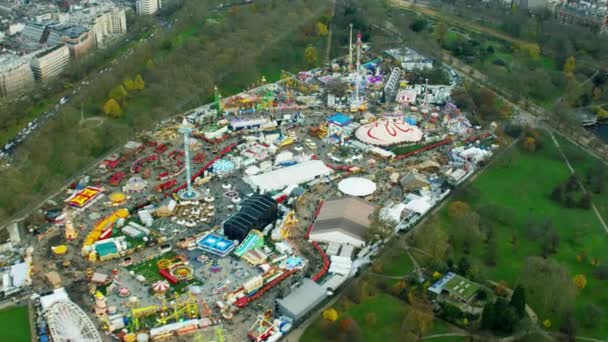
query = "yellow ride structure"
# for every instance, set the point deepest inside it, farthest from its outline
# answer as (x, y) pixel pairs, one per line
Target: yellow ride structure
(288, 225)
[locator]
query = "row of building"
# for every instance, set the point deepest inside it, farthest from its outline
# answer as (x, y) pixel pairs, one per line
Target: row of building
(42, 48)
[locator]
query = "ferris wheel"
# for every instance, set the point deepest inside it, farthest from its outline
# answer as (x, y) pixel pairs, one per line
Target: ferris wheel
(68, 322)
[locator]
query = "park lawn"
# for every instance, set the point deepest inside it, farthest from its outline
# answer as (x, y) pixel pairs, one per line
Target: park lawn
(389, 313)
(453, 37)
(522, 182)
(149, 270)
(15, 324)
(396, 262)
(582, 162)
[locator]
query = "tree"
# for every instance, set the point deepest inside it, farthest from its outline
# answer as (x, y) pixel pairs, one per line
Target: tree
(585, 202)
(370, 319)
(457, 209)
(139, 83)
(419, 318)
(467, 233)
(592, 314)
(601, 272)
(355, 292)
(377, 229)
(569, 326)
(112, 108)
(557, 194)
(570, 201)
(570, 67)
(440, 32)
(350, 329)
(129, 84)
(433, 240)
(418, 25)
(118, 93)
(549, 283)
(572, 183)
(311, 56)
(529, 50)
(529, 144)
(518, 301)
(464, 266)
(580, 281)
(499, 316)
(398, 287)
(491, 254)
(331, 315)
(506, 317)
(488, 316)
(322, 30)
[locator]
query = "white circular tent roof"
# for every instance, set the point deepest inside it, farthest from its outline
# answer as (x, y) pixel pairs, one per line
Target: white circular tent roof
(385, 132)
(357, 186)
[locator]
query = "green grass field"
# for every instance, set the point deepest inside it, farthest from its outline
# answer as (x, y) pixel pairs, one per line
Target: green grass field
(522, 182)
(389, 312)
(15, 325)
(396, 262)
(149, 270)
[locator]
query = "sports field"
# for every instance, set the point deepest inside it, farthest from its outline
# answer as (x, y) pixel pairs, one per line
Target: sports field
(15, 324)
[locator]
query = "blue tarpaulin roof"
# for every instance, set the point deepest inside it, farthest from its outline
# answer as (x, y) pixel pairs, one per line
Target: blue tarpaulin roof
(340, 119)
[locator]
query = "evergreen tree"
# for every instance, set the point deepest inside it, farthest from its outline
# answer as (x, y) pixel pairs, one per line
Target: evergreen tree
(464, 266)
(488, 317)
(557, 194)
(505, 316)
(585, 201)
(518, 301)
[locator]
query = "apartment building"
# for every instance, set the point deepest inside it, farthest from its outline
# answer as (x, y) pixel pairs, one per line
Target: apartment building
(78, 40)
(148, 7)
(108, 25)
(15, 75)
(51, 62)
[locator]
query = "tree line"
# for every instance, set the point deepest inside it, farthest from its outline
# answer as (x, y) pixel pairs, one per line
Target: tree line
(179, 67)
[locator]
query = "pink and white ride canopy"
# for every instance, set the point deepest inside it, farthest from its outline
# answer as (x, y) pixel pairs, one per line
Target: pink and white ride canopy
(384, 132)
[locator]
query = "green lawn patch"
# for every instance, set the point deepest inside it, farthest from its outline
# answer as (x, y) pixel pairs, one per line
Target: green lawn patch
(396, 262)
(149, 270)
(521, 182)
(15, 324)
(389, 313)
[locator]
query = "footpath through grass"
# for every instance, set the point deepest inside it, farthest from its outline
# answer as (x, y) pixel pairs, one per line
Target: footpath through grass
(15, 324)
(521, 183)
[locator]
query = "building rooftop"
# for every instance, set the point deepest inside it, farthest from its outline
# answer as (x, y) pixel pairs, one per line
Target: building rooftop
(74, 32)
(456, 286)
(300, 299)
(49, 50)
(348, 215)
(10, 61)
